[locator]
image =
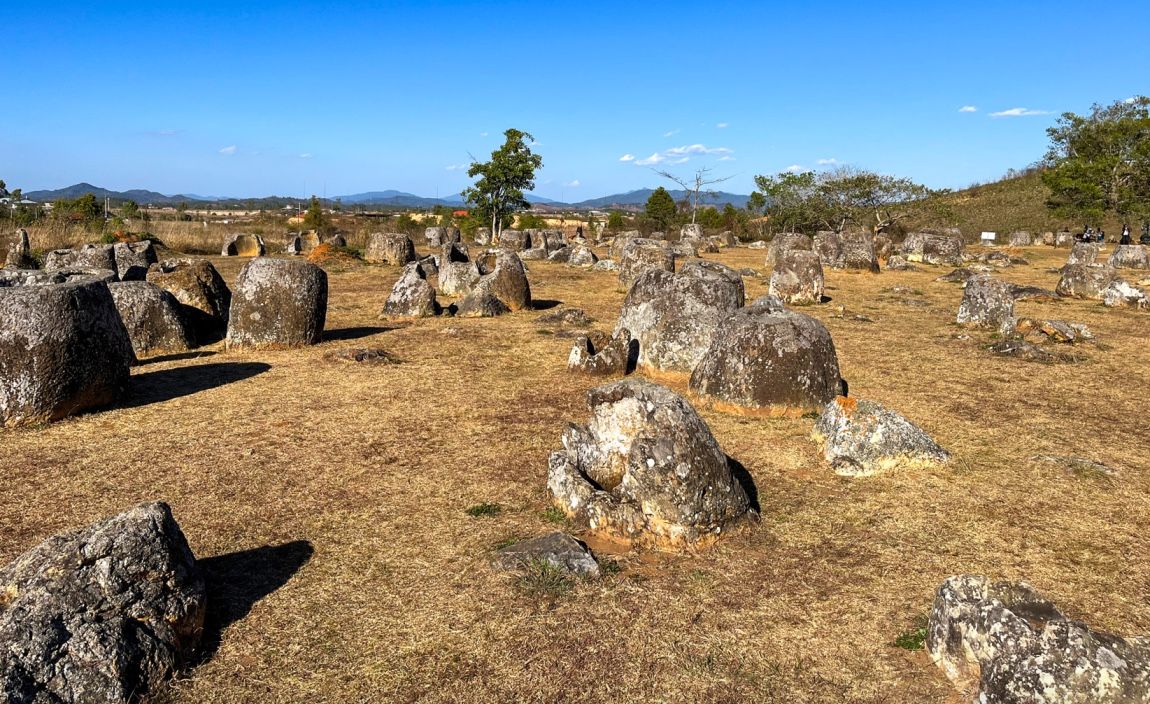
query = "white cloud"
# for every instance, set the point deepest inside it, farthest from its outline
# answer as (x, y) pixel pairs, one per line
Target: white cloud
(968, 108)
(653, 159)
(1019, 112)
(305, 155)
(680, 160)
(482, 134)
(696, 149)
(679, 155)
(727, 158)
(456, 167)
(572, 184)
(671, 133)
(627, 157)
(827, 162)
(229, 150)
(795, 169)
(722, 125)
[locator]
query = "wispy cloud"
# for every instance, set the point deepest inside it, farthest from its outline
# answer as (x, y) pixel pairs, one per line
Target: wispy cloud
(671, 133)
(229, 150)
(968, 108)
(305, 155)
(456, 167)
(1019, 112)
(572, 184)
(722, 125)
(827, 162)
(795, 169)
(696, 149)
(482, 134)
(627, 157)
(679, 155)
(727, 157)
(651, 160)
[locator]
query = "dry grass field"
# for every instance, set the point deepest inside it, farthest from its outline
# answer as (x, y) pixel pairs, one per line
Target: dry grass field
(328, 502)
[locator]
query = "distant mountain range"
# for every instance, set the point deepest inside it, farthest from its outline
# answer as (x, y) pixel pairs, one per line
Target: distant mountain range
(389, 198)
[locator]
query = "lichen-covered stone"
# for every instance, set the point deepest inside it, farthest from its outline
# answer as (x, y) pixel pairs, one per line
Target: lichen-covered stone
(1064, 239)
(481, 302)
(243, 245)
(63, 349)
(987, 302)
(558, 550)
(767, 360)
(1084, 281)
(103, 615)
(1121, 293)
(89, 256)
(829, 246)
(897, 262)
(393, 248)
(858, 252)
(514, 240)
(202, 293)
(458, 278)
(483, 236)
(798, 278)
(411, 296)
(645, 469)
(581, 256)
(614, 358)
(438, 236)
(1084, 253)
(674, 316)
(615, 249)
(20, 252)
(151, 316)
(785, 242)
(1129, 256)
(1010, 645)
(863, 438)
(508, 282)
(1020, 238)
(931, 248)
(133, 259)
(639, 255)
(277, 303)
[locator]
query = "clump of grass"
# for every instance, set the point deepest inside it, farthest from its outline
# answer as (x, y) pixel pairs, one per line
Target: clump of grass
(551, 514)
(610, 567)
(484, 509)
(915, 638)
(506, 542)
(544, 331)
(541, 578)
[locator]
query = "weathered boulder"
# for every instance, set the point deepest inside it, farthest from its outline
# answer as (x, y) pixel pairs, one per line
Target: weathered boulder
(89, 256)
(768, 361)
(277, 303)
(20, 252)
(897, 262)
(514, 240)
(615, 357)
(785, 242)
(684, 249)
(691, 231)
(863, 438)
(151, 316)
(483, 236)
(605, 265)
(411, 296)
(1020, 238)
(458, 278)
(558, 550)
(560, 255)
(883, 247)
(309, 240)
(133, 259)
(576, 317)
(987, 302)
(1013, 646)
(798, 278)
(481, 302)
(243, 245)
(536, 255)
(63, 348)
(336, 240)
(1084, 253)
(1121, 293)
(829, 246)
(615, 249)
(427, 266)
(645, 469)
(105, 614)
(1064, 239)
(507, 282)
(931, 248)
(1046, 239)
(294, 246)
(858, 252)
(1082, 281)
(202, 293)
(439, 236)
(674, 316)
(1129, 256)
(581, 256)
(393, 248)
(639, 255)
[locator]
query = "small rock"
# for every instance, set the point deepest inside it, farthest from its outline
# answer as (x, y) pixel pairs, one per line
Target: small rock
(862, 438)
(362, 355)
(615, 358)
(559, 550)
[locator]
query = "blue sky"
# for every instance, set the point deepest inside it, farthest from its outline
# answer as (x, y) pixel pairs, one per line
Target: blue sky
(293, 98)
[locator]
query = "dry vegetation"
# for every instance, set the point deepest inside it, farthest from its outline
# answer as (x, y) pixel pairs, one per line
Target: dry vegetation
(368, 581)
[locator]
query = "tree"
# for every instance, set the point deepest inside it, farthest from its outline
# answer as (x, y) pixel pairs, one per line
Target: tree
(868, 199)
(790, 200)
(615, 221)
(695, 186)
(660, 208)
(1100, 163)
(315, 218)
(130, 209)
(498, 193)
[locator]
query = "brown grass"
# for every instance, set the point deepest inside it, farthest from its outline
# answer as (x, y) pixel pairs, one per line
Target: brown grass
(375, 466)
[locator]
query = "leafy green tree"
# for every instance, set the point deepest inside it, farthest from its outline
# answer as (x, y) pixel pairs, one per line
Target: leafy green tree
(868, 199)
(85, 209)
(527, 221)
(709, 218)
(1100, 163)
(789, 200)
(615, 221)
(182, 212)
(130, 209)
(498, 193)
(315, 219)
(660, 208)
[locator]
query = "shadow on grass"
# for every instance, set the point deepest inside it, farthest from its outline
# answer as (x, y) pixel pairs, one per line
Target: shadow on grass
(167, 384)
(544, 304)
(743, 477)
(237, 580)
(353, 333)
(176, 357)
